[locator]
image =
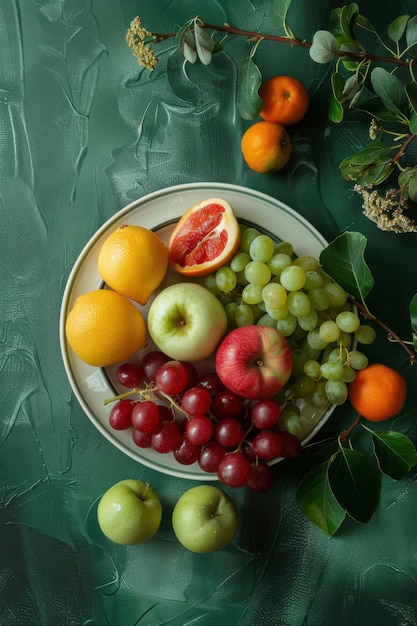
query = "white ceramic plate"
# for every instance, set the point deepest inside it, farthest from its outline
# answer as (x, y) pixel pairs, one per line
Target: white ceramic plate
(159, 211)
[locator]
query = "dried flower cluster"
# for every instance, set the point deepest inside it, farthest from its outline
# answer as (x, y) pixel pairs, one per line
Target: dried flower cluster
(140, 39)
(386, 211)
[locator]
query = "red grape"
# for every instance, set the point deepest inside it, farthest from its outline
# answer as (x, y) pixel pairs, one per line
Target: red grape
(172, 378)
(265, 413)
(199, 430)
(212, 383)
(292, 445)
(145, 416)
(196, 401)
(229, 432)
(167, 438)
(142, 440)
(187, 453)
(193, 375)
(261, 478)
(120, 417)
(268, 444)
(227, 404)
(151, 363)
(210, 456)
(129, 375)
(234, 470)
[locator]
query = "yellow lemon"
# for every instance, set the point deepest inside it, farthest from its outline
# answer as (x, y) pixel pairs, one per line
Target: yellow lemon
(103, 328)
(133, 261)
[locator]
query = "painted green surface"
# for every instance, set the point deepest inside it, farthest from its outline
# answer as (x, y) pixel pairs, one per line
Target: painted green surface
(83, 131)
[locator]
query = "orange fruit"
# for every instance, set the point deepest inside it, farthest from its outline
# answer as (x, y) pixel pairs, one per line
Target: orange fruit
(103, 328)
(378, 392)
(266, 147)
(285, 99)
(133, 261)
(206, 237)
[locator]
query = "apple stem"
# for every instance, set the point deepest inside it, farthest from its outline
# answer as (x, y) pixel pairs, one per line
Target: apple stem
(147, 485)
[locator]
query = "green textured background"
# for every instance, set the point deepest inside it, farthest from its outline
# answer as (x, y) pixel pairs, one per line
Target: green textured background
(83, 132)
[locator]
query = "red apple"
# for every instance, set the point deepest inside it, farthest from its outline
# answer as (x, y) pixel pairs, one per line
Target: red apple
(254, 362)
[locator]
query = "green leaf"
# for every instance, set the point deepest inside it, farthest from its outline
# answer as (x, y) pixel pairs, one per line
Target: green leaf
(375, 107)
(370, 154)
(411, 93)
(324, 47)
(396, 454)
(280, 10)
(412, 186)
(376, 174)
(348, 16)
(390, 89)
(413, 312)
(397, 27)
(363, 21)
(356, 482)
(411, 31)
(317, 502)
(250, 79)
(203, 44)
(343, 260)
(336, 110)
(413, 122)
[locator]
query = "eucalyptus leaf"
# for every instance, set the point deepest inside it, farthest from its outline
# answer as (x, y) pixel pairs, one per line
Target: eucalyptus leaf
(335, 111)
(317, 502)
(356, 483)
(280, 9)
(250, 79)
(338, 85)
(390, 89)
(412, 186)
(411, 93)
(324, 47)
(364, 23)
(397, 27)
(395, 453)
(187, 44)
(375, 107)
(343, 260)
(411, 31)
(413, 122)
(348, 16)
(204, 44)
(413, 312)
(351, 87)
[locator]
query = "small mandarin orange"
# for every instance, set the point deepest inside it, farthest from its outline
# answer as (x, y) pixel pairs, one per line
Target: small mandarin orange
(266, 147)
(378, 392)
(286, 100)
(104, 328)
(133, 261)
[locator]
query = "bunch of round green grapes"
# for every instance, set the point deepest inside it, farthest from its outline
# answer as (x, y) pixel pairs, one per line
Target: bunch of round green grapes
(265, 283)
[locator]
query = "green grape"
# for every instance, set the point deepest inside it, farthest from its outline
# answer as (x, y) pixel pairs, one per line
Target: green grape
(365, 334)
(336, 295)
(329, 331)
(274, 295)
(277, 314)
(299, 357)
(299, 333)
(291, 421)
(241, 278)
(310, 321)
(307, 262)
(226, 279)
(239, 261)
(348, 321)
(349, 374)
(247, 236)
(230, 309)
(267, 320)
(346, 340)
(332, 370)
(278, 262)
(225, 298)
(336, 391)
(244, 315)
(252, 294)
(261, 248)
(319, 298)
(313, 280)
(312, 368)
(285, 247)
(319, 398)
(293, 278)
(357, 360)
(211, 284)
(257, 273)
(287, 325)
(303, 386)
(257, 312)
(315, 341)
(310, 351)
(334, 354)
(298, 303)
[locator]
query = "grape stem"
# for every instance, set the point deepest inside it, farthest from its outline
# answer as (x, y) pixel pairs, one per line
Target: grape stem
(392, 335)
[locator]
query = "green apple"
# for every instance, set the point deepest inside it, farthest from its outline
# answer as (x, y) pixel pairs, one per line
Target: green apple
(186, 321)
(129, 512)
(204, 519)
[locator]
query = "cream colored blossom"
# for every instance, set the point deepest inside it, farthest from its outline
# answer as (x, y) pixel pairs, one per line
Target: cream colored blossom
(139, 39)
(385, 211)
